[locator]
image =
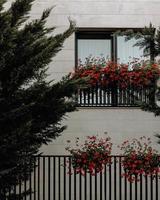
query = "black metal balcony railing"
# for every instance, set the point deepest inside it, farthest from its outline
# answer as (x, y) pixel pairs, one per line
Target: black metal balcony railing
(50, 181)
(113, 97)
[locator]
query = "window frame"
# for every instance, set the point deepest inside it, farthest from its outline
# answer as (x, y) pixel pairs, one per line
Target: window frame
(100, 33)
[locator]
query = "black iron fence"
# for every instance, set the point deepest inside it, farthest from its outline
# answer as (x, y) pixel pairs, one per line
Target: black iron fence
(113, 96)
(50, 180)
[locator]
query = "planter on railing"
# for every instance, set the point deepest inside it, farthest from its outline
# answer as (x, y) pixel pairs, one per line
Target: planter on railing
(112, 84)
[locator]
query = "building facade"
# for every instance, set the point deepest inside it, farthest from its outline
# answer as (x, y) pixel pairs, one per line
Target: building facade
(101, 17)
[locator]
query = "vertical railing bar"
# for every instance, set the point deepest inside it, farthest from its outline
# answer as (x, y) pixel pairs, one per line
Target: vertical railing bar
(92, 90)
(64, 178)
(49, 178)
(75, 185)
(80, 186)
(130, 192)
(125, 188)
(84, 96)
(9, 192)
(54, 178)
(96, 95)
(59, 177)
(115, 178)
(95, 185)
(38, 192)
(70, 178)
(136, 187)
(43, 178)
(100, 96)
(85, 185)
(156, 186)
(110, 182)
(25, 179)
(20, 189)
(101, 185)
(14, 190)
(151, 186)
(80, 96)
(109, 96)
(146, 187)
(88, 94)
(105, 183)
(30, 179)
(141, 188)
(104, 97)
(90, 186)
(120, 178)
(34, 178)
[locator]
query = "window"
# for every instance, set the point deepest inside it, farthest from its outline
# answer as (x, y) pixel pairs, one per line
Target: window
(104, 44)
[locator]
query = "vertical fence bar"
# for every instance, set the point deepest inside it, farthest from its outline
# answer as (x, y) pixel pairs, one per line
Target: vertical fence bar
(38, 171)
(105, 183)
(44, 178)
(141, 187)
(151, 187)
(75, 185)
(95, 185)
(64, 178)
(54, 178)
(156, 186)
(14, 191)
(136, 188)
(59, 177)
(90, 186)
(130, 190)
(20, 189)
(80, 186)
(100, 185)
(49, 178)
(30, 179)
(85, 186)
(120, 178)
(34, 169)
(25, 179)
(115, 178)
(125, 188)
(146, 187)
(70, 178)
(110, 183)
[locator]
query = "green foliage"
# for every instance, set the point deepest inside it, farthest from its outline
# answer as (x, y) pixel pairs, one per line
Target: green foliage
(147, 38)
(31, 108)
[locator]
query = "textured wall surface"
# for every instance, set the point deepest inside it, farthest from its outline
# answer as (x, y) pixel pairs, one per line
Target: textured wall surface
(120, 124)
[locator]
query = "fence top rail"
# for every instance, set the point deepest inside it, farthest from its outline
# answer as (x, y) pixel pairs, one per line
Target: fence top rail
(67, 156)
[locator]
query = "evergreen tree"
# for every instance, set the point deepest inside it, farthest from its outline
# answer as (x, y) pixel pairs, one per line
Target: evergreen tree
(30, 107)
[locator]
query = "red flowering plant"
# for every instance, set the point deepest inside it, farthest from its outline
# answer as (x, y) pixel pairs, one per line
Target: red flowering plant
(139, 159)
(107, 74)
(92, 156)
